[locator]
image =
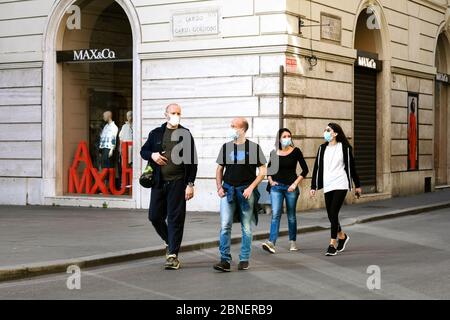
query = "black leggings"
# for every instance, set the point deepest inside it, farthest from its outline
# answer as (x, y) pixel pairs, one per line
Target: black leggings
(334, 201)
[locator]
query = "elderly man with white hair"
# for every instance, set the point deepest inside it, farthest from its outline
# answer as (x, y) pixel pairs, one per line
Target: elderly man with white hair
(170, 150)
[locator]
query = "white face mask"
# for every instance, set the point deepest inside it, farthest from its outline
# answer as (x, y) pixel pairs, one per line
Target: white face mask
(174, 120)
(233, 134)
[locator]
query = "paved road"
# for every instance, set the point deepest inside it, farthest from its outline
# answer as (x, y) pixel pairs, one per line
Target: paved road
(30, 234)
(413, 254)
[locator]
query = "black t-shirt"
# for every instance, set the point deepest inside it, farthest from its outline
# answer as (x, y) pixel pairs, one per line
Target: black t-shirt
(171, 171)
(240, 162)
(287, 169)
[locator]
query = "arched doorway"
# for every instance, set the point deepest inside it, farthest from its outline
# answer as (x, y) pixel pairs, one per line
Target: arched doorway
(87, 70)
(96, 78)
(441, 113)
(366, 100)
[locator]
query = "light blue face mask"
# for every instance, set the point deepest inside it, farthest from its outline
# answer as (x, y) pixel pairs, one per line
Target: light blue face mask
(327, 136)
(286, 142)
(233, 134)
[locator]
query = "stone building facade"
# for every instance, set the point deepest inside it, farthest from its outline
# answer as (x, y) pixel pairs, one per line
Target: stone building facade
(361, 63)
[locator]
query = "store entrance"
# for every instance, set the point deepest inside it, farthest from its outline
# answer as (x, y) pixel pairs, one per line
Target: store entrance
(96, 102)
(442, 115)
(368, 79)
(365, 127)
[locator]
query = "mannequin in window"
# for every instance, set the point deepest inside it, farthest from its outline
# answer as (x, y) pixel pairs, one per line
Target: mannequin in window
(126, 135)
(412, 136)
(108, 140)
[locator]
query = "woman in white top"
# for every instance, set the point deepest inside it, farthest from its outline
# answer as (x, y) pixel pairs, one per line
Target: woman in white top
(334, 171)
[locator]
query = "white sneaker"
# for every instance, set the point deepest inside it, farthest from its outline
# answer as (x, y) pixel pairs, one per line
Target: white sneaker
(167, 251)
(293, 246)
(269, 247)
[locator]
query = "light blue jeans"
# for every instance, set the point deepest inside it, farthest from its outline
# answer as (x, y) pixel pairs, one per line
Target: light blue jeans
(226, 220)
(277, 195)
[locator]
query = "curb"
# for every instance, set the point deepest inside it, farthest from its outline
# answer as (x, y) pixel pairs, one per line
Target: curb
(23, 271)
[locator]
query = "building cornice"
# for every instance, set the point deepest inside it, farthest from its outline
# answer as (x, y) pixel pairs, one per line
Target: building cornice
(413, 73)
(434, 4)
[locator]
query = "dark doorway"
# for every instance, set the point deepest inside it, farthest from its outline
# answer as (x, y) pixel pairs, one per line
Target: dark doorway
(365, 127)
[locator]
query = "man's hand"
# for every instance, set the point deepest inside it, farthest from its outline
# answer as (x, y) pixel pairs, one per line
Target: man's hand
(111, 151)
(248, 192)
(159, 159)
(189, 193)
(221, 192)
(358, 191)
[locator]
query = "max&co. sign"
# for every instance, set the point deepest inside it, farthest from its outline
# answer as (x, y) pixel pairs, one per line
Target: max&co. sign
(442, 77)
(94, 55)
(368, 60)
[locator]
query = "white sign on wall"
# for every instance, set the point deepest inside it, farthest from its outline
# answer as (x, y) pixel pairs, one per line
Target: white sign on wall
(367, 63)
(195, 24)
(331, 27)
(442, 77)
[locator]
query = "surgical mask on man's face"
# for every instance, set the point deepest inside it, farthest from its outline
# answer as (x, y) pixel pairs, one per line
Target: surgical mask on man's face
(233, 134)
(174, 120)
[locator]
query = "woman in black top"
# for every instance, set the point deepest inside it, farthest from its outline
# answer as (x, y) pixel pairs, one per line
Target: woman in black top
(283, 185)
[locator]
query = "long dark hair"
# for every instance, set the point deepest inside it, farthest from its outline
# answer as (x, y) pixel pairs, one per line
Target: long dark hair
(341, 137)
(280, 133)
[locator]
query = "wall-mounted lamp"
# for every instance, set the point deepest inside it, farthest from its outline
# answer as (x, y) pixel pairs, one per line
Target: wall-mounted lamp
(312, 60)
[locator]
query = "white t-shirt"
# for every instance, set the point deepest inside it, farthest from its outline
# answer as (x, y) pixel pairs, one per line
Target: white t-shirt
(126, 133)
(334, 175)
(108, 136)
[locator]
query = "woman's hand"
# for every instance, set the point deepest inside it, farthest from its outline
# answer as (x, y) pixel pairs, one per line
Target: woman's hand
(273, 183)
(293, 187)
(358, 191)
(312, 193)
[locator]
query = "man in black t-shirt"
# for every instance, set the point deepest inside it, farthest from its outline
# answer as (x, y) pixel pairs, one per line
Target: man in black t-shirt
(237, 189)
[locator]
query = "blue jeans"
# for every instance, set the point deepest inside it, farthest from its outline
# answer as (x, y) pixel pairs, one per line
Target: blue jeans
(226, 220)
(277, 195)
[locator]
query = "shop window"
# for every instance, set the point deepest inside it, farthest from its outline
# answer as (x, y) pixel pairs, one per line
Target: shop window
(96, 84)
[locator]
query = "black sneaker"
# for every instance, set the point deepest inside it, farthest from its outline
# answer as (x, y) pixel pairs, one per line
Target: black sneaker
(172, 262)
(331, 251)
(223, 266)
(342, 243)
(243, 265)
